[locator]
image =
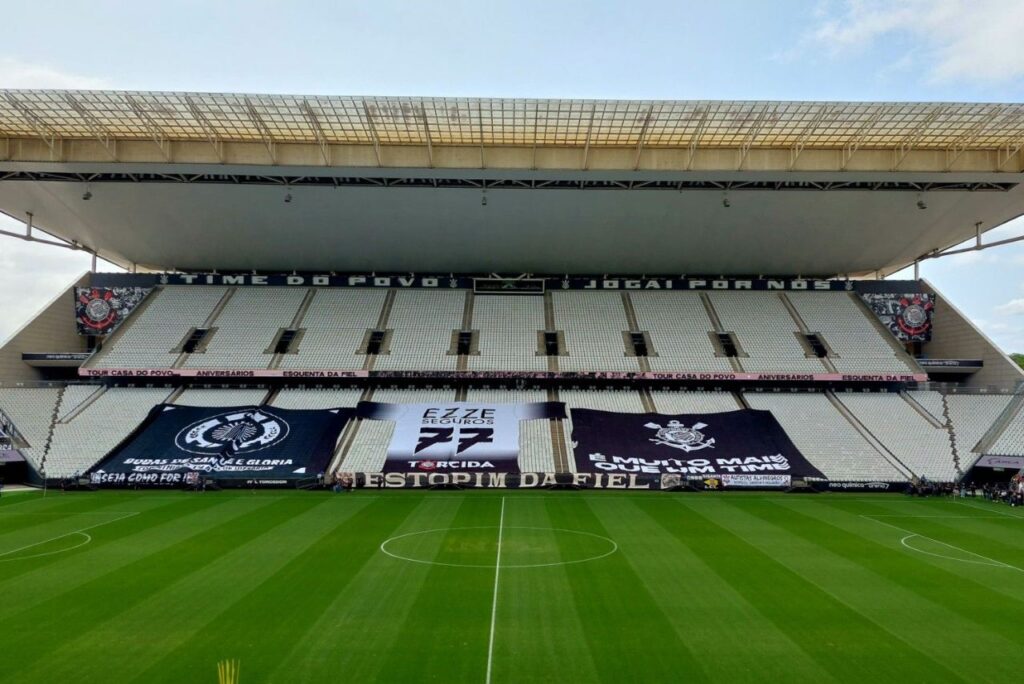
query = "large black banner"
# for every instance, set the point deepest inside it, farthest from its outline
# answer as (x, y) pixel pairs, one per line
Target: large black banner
(456, 436)
(251, 443)
(735, 446)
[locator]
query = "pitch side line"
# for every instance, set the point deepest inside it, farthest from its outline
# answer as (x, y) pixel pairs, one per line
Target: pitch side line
(494, 601)
(61, 536)
(910, 534)
(1003, 514)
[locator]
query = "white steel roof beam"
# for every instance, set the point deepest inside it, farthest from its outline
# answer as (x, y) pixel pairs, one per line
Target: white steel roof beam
(642, 137)
(264, 130)
(373, 132)
(93, 126)
(968, 139)
(35, 123)
(318, 131)
(207, 127)
(151, 126)
(912, 138)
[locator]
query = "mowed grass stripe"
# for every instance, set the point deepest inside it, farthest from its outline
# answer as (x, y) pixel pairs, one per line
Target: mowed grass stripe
(539, 636)
(29, 580)
(880, 625)
(944, 611)
(707, 612)
(366, 608)
(1006, 584)
(444, 638)
(290, 570)
(28, 524)
(953, 582)
(92, 632)
(624, 623)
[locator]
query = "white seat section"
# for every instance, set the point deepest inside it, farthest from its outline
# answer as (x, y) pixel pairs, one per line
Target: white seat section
(247, 326)
(150, 336)
(536, 453)
(74, 396)
(678, 325)
(1011, 440)
(694, 402)
(922, 447)
(423, 321)
(316, 398)
(221, 397)
(765, 331)
(858, 345)
(971, 416)
(825, 437)
(335, 325)
(930, 401)
(593, 323)
(81, 442)
(508, 327)
(31, 410)
(369, 447)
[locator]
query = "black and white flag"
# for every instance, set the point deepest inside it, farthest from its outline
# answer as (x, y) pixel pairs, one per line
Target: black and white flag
(745, 442)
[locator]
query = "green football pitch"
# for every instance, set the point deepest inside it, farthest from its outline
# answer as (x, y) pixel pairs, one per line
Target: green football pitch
(403, 586)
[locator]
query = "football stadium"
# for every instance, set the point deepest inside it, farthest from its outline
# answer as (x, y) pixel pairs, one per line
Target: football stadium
(507, 390)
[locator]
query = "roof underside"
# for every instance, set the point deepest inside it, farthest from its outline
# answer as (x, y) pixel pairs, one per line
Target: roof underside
(198, 181)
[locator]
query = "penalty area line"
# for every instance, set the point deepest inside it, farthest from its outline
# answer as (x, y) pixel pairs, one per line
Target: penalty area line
(910, 534)
(494, 600)
(61, 536)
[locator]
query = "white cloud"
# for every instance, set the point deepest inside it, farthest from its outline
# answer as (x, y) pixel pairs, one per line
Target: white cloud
(17, 74)
(1014, 307)
(962, 39)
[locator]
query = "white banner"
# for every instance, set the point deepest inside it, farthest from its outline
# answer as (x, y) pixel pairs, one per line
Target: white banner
(753, 481)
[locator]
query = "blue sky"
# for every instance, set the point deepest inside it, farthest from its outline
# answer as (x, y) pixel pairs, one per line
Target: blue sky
(916, 50)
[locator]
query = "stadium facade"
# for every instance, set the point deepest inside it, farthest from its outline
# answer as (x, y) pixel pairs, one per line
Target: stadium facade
(487, 292)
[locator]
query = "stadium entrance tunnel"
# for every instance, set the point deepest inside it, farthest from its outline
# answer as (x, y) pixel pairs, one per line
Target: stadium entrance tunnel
(521, 547)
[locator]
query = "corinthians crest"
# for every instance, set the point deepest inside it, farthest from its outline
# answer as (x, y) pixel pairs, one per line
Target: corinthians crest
(237, 432)
(678, 436)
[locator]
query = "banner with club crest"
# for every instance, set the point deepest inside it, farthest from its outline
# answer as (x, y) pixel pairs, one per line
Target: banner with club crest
(907, 316)
(99, 310)
(734, 443)
(258, 444)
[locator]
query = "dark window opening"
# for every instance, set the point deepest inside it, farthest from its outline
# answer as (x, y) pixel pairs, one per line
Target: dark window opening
(284, 342)
(194, 340)
(728, 346)
(639, 343)
(550, 343)
(817, 346)
(464, 345)
(376, 342)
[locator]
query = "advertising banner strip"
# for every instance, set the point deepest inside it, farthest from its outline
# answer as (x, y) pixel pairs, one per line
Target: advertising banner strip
(456, 436)
(744, 442)
(237, 443)
(327, 374)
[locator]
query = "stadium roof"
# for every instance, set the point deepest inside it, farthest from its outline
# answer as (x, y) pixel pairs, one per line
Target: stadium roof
(196, 181)
(281, 119)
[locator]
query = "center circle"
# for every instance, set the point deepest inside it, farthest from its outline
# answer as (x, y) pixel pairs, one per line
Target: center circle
(477, 547)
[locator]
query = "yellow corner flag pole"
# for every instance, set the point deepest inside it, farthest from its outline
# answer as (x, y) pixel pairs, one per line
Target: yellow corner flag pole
(227, 671)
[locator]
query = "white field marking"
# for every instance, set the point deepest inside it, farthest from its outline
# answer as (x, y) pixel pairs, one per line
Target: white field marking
(995, 564)
(506, 566)
(494, 602)
(989, 509)
(61, 536)
(911, 533)
(942, 517)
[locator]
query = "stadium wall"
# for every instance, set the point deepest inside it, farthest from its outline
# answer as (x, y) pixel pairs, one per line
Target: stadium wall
(957, 338)
(51, 330)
